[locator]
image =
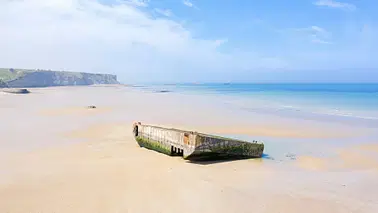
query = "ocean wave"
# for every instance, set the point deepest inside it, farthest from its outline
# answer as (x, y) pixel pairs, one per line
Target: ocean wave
(347, 114)
(293, 110)
(301, 103)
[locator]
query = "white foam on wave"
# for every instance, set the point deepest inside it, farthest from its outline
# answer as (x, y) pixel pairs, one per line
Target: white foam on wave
(318, 110)
(339, 112)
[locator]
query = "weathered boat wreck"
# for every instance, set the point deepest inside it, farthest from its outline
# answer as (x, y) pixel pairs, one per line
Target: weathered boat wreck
(194, 145)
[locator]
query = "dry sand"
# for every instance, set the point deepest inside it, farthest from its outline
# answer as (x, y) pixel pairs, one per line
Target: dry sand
(58, 157)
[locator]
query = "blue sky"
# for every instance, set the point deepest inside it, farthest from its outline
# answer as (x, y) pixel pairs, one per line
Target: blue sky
(195, 41)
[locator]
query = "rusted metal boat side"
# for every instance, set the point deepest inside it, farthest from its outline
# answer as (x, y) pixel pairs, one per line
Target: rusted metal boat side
(193, 145)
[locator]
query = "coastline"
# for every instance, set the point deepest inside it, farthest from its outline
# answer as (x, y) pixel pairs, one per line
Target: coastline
(76, 160)
(325, 102)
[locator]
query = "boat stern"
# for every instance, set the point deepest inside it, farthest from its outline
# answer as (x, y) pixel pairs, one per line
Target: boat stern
(219, 147)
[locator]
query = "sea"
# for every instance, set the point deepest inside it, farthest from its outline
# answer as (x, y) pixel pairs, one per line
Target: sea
(351, 104)
(336, 102)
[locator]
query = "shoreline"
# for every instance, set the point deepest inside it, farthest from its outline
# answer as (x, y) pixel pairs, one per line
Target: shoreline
(283, 103)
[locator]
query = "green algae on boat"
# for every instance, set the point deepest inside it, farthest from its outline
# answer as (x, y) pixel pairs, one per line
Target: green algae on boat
(153, 145)
(194, 145)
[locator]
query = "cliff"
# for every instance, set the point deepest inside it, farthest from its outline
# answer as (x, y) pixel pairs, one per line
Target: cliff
(42, 78)
(3, 84)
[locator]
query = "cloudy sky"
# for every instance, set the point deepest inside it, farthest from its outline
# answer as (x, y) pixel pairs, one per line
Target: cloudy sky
(195, 40)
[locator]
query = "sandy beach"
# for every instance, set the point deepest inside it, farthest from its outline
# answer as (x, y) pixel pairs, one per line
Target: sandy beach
(56, 155)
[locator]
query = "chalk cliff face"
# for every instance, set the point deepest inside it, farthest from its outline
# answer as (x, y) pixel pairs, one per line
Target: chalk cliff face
(55, 78)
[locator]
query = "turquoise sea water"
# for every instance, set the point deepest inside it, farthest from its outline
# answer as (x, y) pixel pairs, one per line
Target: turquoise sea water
(343, 102)
(355, 105)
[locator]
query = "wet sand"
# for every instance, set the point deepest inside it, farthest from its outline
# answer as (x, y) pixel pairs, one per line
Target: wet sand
(59, 156)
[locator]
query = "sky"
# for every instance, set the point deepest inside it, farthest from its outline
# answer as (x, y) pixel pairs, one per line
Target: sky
(195, 40)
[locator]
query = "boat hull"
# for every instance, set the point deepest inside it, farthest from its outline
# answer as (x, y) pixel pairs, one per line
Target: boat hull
(194, 145)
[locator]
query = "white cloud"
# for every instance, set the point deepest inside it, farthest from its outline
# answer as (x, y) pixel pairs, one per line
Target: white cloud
(320, 41)
(317, 29)
(335, 4)
(219, 42)
(316, 34)
(138, 3)
(86, 35)
(188, 3)
(163, 12)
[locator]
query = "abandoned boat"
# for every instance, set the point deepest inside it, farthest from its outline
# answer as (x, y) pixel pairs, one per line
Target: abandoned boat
(194, 145)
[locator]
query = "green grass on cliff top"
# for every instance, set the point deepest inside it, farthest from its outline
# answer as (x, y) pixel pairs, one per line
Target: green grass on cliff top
(7, 75)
